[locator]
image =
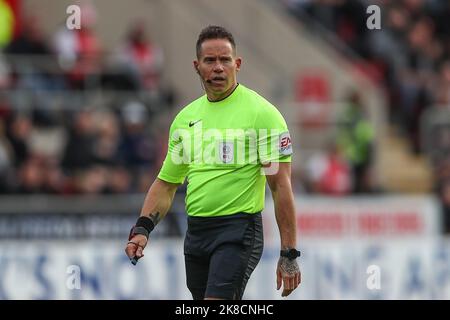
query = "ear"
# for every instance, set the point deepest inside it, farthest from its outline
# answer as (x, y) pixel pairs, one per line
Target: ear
(238, 62)
(196, 66)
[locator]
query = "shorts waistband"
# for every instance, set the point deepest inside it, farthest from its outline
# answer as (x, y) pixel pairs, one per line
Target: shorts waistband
(244, 215)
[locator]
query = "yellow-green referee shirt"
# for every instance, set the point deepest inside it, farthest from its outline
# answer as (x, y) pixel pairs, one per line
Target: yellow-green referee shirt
(220, 147)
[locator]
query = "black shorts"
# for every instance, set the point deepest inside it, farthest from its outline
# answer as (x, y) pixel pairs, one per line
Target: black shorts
(221, 253)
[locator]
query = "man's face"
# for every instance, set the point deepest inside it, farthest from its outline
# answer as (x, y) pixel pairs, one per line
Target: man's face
(217, 66)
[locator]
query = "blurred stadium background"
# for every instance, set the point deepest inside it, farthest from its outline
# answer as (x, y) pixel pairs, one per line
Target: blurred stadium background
(84, 118)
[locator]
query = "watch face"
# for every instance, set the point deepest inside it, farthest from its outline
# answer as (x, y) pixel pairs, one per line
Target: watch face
(293, 254)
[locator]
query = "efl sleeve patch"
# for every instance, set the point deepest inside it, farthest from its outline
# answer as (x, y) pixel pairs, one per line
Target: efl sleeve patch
(285, 145)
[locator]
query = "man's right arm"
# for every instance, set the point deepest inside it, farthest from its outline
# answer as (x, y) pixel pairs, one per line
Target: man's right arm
(160, 195)
(158, 200)
(157, 203)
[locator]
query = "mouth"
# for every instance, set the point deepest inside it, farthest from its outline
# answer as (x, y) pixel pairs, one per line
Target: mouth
(218, 80)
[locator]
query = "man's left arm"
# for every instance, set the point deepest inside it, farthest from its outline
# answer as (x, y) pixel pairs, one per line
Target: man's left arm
(279, 181)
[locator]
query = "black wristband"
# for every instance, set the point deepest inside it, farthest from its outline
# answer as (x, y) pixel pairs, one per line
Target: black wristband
(146, 223)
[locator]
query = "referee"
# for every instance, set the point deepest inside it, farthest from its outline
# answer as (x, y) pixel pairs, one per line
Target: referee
(227, 143)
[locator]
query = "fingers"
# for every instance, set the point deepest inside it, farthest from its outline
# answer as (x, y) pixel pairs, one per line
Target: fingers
(279, 278)
(290, 283)
(286, 292)
(139, 252)
(135, 247)
(130, 250)
(140, 240)
(286, 282)
(298, 279)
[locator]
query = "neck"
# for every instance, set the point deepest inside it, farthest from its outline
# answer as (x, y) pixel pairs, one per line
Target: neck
(217, 97)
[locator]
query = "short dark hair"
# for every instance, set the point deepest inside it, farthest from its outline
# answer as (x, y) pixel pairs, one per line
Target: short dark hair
(214, 32)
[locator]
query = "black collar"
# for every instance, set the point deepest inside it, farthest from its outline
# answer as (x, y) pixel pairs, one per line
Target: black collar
(225, 96)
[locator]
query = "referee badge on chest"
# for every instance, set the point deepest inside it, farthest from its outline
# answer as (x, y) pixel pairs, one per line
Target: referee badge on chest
(226, 151)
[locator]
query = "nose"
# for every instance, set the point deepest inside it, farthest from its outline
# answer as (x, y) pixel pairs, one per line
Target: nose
(218, 67)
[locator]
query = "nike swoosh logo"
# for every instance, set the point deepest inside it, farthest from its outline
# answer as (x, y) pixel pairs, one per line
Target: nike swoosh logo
(194, 122)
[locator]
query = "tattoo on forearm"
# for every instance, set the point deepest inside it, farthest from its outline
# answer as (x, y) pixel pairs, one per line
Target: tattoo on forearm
(288, 266)
(155, 217)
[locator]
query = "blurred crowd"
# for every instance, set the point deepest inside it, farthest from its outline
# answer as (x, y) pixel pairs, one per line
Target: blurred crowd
(56, 139)
(75, 119)
(409, 57)
(345, 166)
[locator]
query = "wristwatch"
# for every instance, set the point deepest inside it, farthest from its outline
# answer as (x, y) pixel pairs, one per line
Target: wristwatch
(291, 253)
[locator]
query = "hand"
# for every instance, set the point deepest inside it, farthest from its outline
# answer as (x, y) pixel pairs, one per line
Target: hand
(135, 247)
(288, 272)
